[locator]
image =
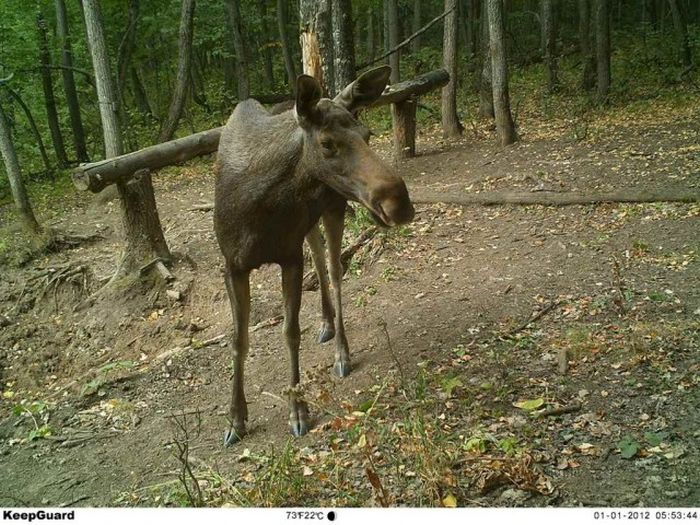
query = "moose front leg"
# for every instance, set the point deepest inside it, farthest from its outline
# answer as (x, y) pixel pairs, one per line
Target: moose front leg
(238, 287)
(292, 277)
(333, 221)
(318, 255)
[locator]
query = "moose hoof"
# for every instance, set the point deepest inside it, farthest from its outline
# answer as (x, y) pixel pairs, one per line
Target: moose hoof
(326, 333)
(342, 368)
(299, 421)
(233, 436)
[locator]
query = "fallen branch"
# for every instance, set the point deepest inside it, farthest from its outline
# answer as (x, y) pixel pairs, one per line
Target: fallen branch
(548, 198)
(267, 323)
(407, 41)
(311, 278)
(208, 206)
(534, 317)
(566, 409)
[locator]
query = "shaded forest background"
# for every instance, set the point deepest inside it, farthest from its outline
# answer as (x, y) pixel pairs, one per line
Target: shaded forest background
(242, 49)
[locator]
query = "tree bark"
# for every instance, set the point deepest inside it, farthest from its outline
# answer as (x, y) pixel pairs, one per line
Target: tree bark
(549, 41)
(233, 11)
(451, 126)
(499, 67)
(681, 28)
(144, 235)
(584, 34)
(282, 19)
(126, 48)
(343, 44)
(76, 121)
(19, 192)
(403, 115)
(267, 54)
(140, 93)
(415, 44)
(184, 63)
(371, 45)
(317, 41)
(33, 126)
(603, 49)
(393, 41)
(47, 85)
(485, 88)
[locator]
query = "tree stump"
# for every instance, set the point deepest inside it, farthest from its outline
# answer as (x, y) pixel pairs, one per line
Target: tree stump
(403, 115)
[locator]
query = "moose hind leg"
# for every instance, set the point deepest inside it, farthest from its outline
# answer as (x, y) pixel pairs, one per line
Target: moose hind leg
(292, 276)
(238, 287)
(315, 242)
(333, 222)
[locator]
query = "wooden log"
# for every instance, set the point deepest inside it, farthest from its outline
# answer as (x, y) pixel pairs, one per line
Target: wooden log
(98, 175)
(403, 115)
(549, 198)
(412, 88)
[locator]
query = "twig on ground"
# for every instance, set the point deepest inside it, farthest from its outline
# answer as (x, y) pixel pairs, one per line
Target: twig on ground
(534, 317)
(557, 411)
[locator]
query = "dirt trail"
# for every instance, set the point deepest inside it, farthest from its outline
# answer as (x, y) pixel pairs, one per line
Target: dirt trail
(626, 280)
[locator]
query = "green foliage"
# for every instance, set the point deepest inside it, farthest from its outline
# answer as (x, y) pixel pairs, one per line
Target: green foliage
(628, 447)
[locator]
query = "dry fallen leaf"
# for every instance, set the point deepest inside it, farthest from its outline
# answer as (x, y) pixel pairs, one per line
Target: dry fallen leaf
(449, 501)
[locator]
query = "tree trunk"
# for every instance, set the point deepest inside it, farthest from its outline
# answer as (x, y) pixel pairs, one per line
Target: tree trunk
(126, 48)
(144, 235)
(549, 42)
(184, 63)
(584, 34)
(233, 10)
(19, 192)
(371, 45)
(33, 126)
(267, 54)
(499, 68)
(485, 89)
(603, 49)
(140, 93)
(451, 126)
(468, 18)
(403, 115)
(282, 18)
(385, 28)
(415, 44)
(343, 44)
(679, 23)
(393, 26)
(76, 121)
(317, 41)
(47, 85)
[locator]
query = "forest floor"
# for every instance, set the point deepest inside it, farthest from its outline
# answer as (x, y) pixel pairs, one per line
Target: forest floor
(124, 402)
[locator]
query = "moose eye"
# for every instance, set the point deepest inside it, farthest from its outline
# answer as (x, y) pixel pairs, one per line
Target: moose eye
(328, 144)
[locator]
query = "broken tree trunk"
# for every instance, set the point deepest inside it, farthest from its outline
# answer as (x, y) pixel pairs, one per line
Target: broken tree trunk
(548, 198)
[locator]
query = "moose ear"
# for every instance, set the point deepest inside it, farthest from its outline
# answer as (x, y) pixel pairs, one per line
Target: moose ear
(365, 90)
(308, 94)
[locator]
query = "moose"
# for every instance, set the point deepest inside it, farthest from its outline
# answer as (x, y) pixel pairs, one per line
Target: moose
(278, 175)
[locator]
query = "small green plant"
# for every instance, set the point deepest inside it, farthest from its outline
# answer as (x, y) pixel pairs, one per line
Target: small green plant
(475, 444)
(95, 384)
(389, 273)
(657, 297)
(448, 385)
(38, 413)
